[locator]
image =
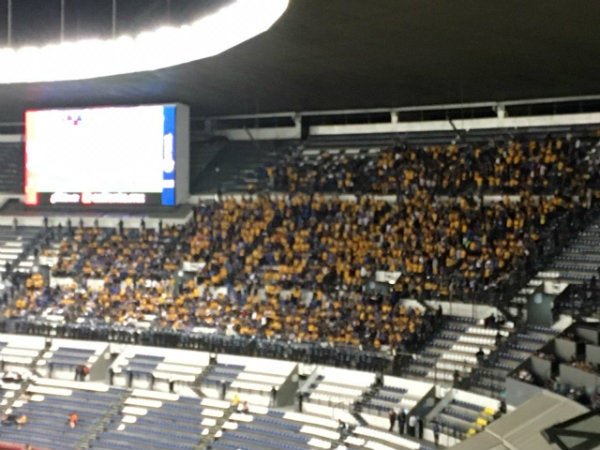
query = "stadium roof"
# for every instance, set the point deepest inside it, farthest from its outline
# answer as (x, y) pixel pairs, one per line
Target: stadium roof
(522, 429)
(579, 433)
(352, 54)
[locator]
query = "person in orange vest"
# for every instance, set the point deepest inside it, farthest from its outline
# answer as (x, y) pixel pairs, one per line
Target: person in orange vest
(73, 418)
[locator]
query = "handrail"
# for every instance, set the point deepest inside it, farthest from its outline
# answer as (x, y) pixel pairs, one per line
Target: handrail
(413, 108)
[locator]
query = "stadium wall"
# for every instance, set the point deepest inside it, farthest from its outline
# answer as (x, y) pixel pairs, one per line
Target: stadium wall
(574, 111)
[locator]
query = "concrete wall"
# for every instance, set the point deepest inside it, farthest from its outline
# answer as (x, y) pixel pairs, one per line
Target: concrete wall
(592, 354)
(565, 349)
(539, 308)
(286, 394)
(518, 392)
(590, 335)
(578, 378)
(541, 367)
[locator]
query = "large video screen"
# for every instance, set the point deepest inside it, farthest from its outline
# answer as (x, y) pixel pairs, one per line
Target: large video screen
(105, 154)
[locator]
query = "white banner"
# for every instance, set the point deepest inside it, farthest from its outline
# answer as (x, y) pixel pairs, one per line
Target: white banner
(61, 281)
(49, 261)
(95, 284)
(381, 276)
(191, 266)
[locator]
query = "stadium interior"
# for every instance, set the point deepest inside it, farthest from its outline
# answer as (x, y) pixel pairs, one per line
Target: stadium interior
(373, 225)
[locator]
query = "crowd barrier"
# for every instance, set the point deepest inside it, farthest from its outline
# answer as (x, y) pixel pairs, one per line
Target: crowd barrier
(310, 353)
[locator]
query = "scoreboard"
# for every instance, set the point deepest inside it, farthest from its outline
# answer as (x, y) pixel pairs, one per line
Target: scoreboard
(104, 155)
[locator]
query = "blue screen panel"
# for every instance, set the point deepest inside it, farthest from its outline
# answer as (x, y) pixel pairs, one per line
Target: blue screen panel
(168, 187)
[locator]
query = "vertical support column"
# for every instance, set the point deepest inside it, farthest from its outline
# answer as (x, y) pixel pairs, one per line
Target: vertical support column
(9, 23)
(501, 110)
(114, 18)
(62, 20)
(297, 125)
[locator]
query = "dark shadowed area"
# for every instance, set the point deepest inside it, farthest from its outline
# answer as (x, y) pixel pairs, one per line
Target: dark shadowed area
(333, 54)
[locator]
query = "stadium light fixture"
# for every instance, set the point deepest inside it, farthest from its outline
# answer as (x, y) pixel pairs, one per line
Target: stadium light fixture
(149, 50)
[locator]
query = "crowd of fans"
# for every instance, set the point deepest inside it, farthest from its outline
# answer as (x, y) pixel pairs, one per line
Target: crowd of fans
(299, 266)
(134, 285)
(497, 166)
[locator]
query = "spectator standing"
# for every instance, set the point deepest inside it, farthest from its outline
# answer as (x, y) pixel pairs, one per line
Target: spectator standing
(392, 417)
(401, 422)
(78, 370)
(480, 355)
(223, 389)
(456, 379)
(436, 433)
(421, 427)
(502, 406)
(81, 371)
(412, 425)
(342, 427)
